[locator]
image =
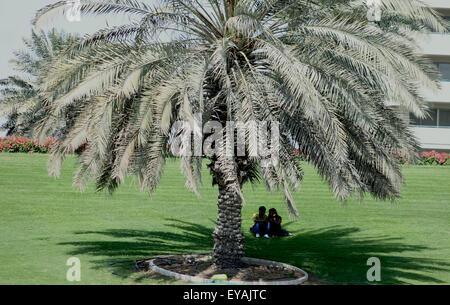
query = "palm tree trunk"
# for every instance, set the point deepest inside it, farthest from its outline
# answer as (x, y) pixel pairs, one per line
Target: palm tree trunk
(228, 237)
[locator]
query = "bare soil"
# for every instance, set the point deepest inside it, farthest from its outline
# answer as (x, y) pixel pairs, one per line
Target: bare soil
(202, 266)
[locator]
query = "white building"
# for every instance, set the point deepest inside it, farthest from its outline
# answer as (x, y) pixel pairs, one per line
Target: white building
(434, 133)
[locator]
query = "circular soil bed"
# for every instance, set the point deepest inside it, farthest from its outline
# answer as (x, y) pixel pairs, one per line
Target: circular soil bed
(199, 268)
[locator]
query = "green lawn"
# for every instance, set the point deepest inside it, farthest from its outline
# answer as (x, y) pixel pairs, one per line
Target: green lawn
(44, 221)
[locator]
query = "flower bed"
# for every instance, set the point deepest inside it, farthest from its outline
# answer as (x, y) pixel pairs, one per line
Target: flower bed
(434, 158)
(25, 145)
(426, 158)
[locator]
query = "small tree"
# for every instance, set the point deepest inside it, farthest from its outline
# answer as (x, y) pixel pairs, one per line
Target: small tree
(318, 69)
(19, 95)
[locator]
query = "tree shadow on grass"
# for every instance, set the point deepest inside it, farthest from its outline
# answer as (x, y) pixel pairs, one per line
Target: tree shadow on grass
(332, 254)
(335, 255)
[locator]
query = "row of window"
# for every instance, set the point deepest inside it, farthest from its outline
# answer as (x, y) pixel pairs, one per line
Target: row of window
(444, 68)
(437, 118)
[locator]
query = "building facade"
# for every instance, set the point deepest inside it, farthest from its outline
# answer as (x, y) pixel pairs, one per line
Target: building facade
(434, 132)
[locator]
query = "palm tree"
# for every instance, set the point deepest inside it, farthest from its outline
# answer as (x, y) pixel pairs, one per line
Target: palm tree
(14, 91)
(19, 95)
(319, 68)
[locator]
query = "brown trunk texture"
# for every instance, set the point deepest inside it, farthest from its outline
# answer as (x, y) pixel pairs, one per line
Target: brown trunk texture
(228, 237)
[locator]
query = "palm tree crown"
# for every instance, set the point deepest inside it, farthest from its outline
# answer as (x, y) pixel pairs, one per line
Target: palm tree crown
(318, 67)
(19, 99)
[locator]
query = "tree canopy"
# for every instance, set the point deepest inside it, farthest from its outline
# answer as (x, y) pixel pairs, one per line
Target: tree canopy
(319, 67)
(19, 96)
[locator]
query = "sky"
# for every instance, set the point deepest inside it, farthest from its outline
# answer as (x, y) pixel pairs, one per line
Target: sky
(15, 23)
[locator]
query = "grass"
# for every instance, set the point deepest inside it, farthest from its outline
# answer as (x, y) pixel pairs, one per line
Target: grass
(44, 221)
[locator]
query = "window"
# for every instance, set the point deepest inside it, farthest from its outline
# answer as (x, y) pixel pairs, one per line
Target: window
(444, 117)
(430, 120)
(436, 118)
(444, 69)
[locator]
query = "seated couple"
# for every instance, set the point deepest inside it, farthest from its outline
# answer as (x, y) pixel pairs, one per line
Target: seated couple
(268, 225)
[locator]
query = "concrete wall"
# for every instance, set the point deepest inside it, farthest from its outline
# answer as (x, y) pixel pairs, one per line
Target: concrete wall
(437, 97)
(429, 138)
(434, 44)
(440, 96)
(433, 138)
(438, 3)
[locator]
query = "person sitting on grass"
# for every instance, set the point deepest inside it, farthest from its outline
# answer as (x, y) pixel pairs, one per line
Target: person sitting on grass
(275, 224)
(261, 226)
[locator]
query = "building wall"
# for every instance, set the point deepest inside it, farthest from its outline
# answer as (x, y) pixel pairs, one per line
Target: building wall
(441, 96)
(441, 4)
(436, 45)
(437, 48)
(433, 138)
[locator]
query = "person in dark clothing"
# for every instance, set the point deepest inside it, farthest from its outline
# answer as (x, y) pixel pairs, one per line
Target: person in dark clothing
(261, 226)
(275, 224)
